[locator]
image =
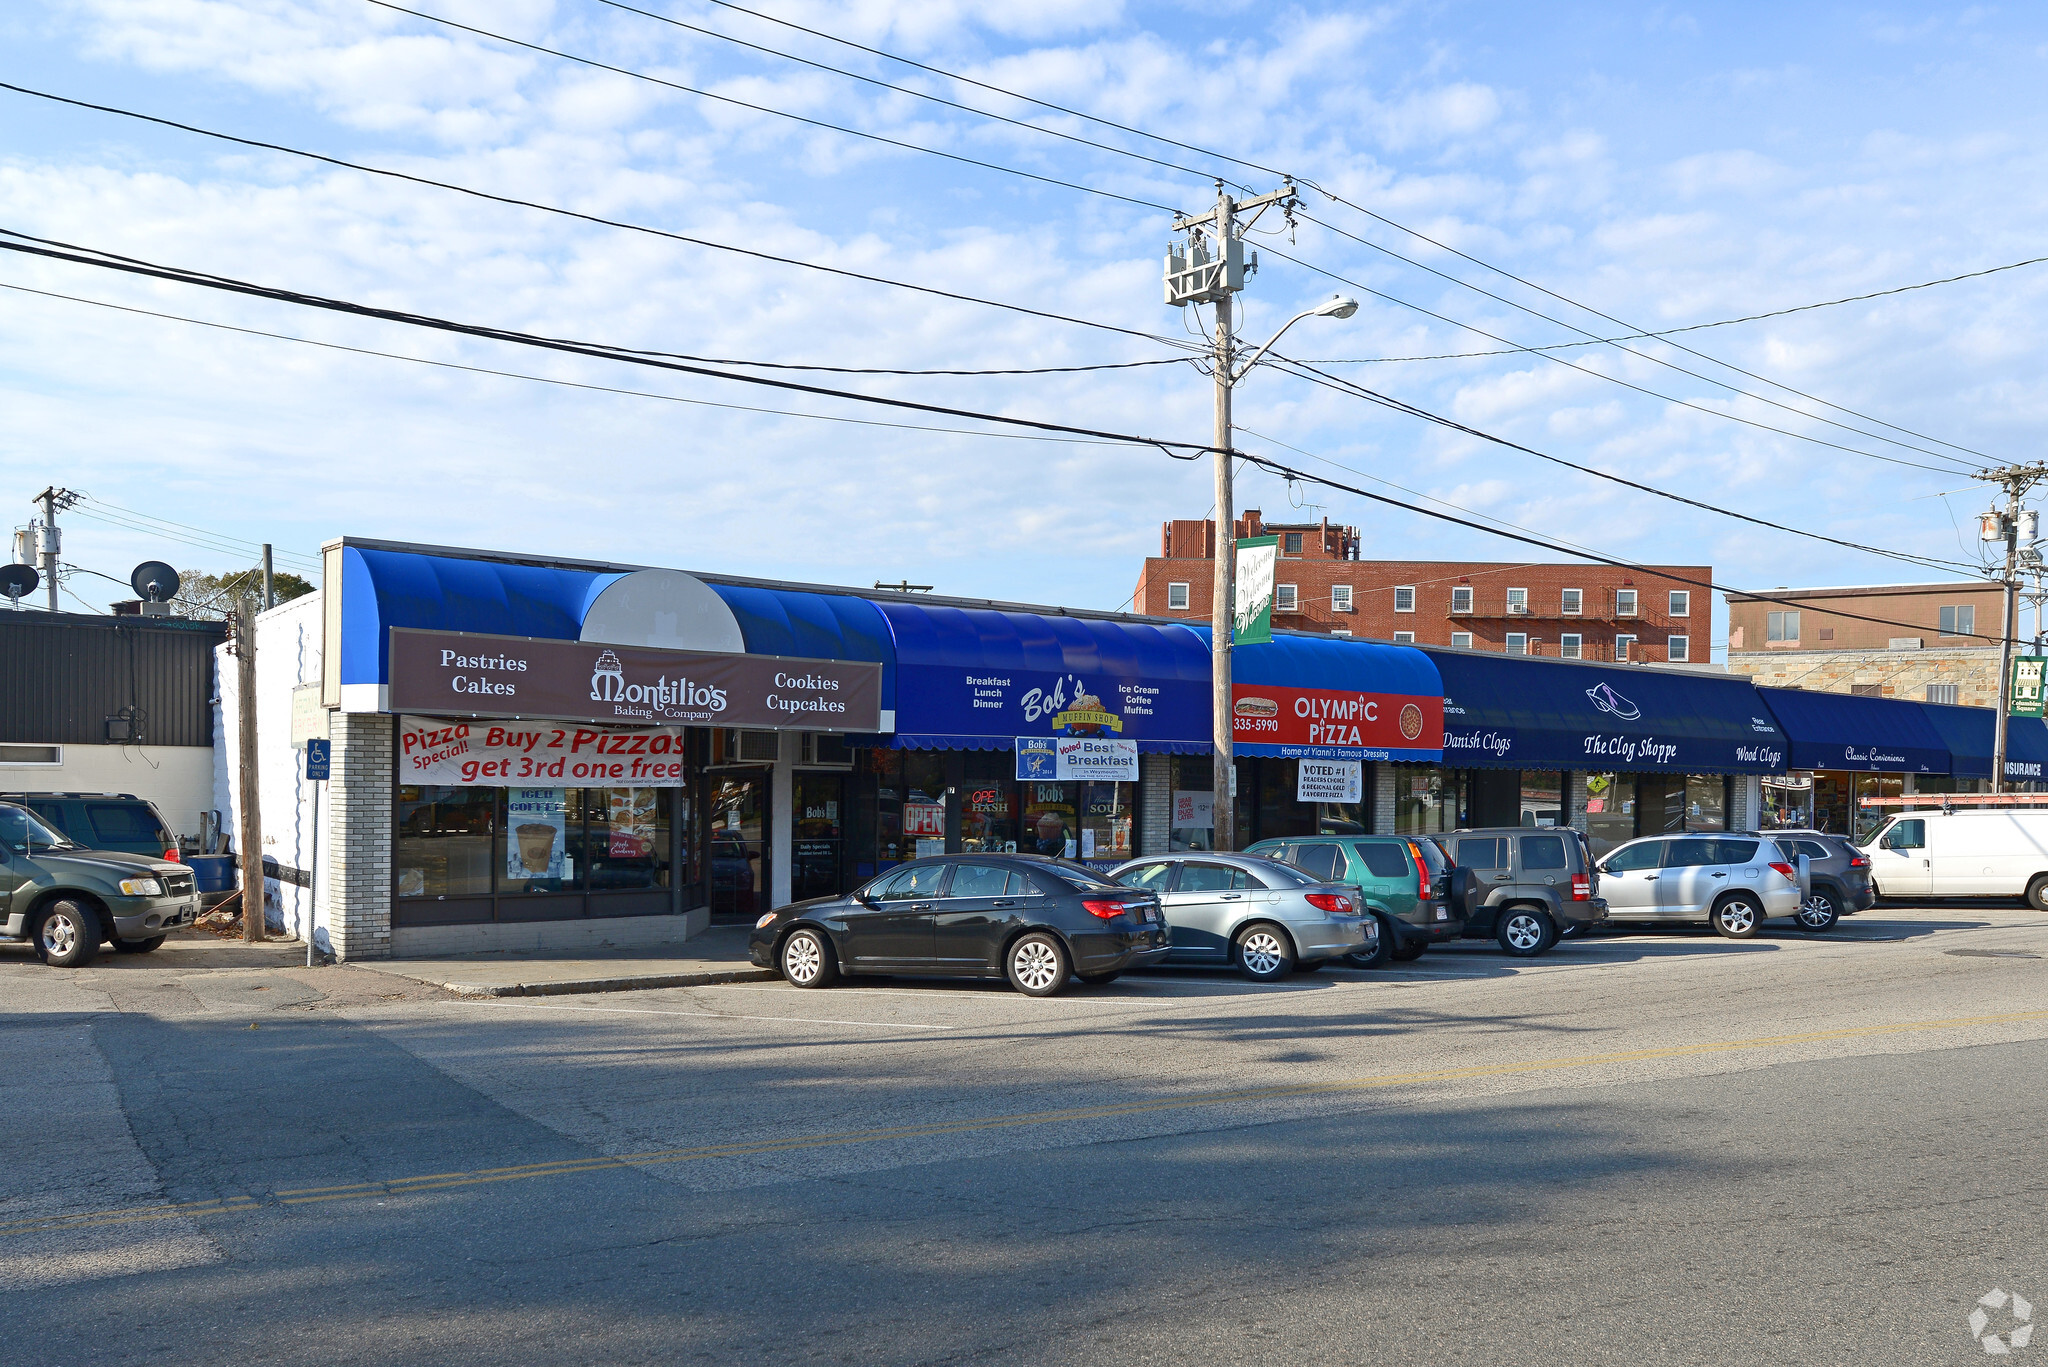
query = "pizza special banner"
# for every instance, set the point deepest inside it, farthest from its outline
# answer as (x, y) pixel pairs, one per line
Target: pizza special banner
(1324, 723)
(536, 754)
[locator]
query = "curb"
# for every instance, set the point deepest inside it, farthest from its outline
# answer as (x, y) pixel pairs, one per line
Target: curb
(645, 982)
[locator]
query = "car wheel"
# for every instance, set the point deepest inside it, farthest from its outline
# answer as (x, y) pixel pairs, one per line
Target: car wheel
(138, 946)
(2037, 893)
(1738, 918)
(1037, 965)
(1265, 953)
(1406, 954)
(1524, 932)
(67, 935)
(807, 960)
(1819, 911)
(1097, 979)
(1381, 954)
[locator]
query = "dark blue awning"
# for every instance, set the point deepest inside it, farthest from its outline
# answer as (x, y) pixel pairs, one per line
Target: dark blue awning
(1868, 735)
(977, 678)
(1971, 733)
(1515, 712)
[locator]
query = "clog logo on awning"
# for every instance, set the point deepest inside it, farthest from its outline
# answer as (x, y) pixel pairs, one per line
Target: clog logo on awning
(1612, 703)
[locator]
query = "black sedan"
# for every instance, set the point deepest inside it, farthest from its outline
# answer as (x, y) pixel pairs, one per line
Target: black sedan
(1034, 920)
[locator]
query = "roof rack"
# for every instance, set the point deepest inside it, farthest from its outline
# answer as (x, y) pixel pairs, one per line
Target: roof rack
(1949, 801)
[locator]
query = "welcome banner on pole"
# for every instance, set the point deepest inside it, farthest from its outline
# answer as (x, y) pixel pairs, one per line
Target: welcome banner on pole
(1257, 562)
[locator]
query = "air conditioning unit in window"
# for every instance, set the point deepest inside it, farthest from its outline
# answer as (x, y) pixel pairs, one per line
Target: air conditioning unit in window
(825, 751)
(753, 747)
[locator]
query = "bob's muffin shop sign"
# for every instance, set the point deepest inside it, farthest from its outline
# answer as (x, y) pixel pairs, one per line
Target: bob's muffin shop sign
(460, 673)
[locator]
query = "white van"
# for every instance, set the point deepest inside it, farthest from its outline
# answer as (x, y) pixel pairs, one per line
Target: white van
(1963, 854)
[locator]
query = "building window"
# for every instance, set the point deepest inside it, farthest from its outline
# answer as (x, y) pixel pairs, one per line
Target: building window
(1340, 598)
(1404, 638)
(1284, 599)
(1290, 543)
(1518, 643)
(1404, 598)
(1624, 646)
(1942, 693)
(1959, 621)
(1518, 602)
(1681, 602)
(31, 754)
(1678, 649)
(1461, 640)
(1784, 626)
(1570, 645)
(1461, 599)
(1176, 597)
(1866, 690)
(1624, 602)
(1569, 601)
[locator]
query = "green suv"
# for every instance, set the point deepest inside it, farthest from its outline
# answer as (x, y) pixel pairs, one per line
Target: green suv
(67, 900)
(1404, 884)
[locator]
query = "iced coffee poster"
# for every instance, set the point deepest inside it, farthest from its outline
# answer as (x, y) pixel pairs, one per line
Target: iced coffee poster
(535, 826)
(632, 822)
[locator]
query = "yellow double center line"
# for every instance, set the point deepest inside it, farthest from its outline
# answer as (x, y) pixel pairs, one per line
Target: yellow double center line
(444, 1181)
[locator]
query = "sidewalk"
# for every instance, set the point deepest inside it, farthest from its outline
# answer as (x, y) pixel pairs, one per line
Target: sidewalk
(719, 955)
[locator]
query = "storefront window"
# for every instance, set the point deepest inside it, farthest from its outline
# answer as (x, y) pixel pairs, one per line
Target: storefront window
(1706, 802)
(924, 804)
(1788, 802)
(543, 843)
(1193, 822)
(1428, 798)
(1610, 811)
(988, 802)
(1660, 804)
(1052, 821)
(738, 805)
(1543, 798)
(1867, 820)
(444, 841)
(626, 844)
(1832, 799)
(1106, 820)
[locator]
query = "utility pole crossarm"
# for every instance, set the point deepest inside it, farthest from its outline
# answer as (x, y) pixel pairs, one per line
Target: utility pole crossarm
(1187, 221)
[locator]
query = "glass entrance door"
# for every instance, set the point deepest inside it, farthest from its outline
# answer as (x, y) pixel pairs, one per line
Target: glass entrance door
(818, 849)
(738, 808)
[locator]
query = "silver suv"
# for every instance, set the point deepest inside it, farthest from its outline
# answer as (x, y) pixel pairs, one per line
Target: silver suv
(1268, 918)
(1734, 881)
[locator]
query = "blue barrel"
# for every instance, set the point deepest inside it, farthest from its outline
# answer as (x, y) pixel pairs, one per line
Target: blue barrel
(213, 872)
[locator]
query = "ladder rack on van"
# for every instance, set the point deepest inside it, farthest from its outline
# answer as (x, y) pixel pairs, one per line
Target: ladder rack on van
(1946, 801)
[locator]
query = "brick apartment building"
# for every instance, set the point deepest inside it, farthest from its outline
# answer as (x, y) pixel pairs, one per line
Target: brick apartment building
(1588, 612)
(1931, 645)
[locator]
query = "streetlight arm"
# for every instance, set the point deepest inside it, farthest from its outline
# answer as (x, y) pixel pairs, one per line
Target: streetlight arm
(1336, 307)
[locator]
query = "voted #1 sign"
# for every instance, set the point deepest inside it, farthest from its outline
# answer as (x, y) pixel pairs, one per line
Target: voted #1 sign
(1329, 780)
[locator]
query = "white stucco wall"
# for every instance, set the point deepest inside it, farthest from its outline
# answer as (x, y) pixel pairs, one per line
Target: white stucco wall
(287, 654)
(178, 779)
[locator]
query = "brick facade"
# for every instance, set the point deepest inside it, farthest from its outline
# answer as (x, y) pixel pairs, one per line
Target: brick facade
(1155, 795)
(1319, 561)
(356, 902)
(1808, 620)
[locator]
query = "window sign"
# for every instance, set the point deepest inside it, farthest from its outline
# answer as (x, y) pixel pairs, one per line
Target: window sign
(1037, 761)
(1083, 757)
(924, 818)
(536, 847)
(1194, 811)
(1329, 780)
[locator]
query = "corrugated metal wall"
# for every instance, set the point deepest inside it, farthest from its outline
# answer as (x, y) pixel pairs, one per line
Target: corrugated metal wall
(63, 674)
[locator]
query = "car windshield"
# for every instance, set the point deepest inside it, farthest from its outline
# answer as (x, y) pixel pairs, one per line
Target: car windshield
(1433, 855)
(22, 833)
(1275, 874)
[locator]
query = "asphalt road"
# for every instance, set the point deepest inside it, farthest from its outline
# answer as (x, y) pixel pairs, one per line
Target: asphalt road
(1660, 1148)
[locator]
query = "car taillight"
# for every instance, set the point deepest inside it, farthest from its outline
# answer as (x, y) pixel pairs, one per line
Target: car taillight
(1421, 870)
(171, 856)
(1791, 874)
(1107, 910)
(1329, 901)
(1859, 862)
(1582, 887)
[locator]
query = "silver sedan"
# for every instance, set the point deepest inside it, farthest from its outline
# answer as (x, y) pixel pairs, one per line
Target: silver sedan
(1268, 918)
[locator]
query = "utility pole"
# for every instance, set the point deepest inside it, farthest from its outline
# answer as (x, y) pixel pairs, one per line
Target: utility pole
(54, 501)
(1209, 270)
(251, 836)
(2005, 526)
(269, 591)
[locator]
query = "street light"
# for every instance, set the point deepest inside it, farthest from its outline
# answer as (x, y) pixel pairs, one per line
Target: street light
(1223, 608)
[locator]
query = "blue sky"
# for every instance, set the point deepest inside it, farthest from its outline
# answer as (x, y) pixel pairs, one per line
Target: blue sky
(1667, 167)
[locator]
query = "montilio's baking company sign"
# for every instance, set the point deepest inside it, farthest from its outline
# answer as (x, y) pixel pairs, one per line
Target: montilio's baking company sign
(523, 676)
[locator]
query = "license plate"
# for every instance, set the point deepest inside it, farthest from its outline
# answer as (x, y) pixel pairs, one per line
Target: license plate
(1152, 914)
(1442, 914)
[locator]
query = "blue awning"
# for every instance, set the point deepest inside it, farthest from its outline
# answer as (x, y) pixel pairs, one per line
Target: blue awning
(1517, 712)
(1867, 735)
(812, 626)
(1971, 734)
(978, 678)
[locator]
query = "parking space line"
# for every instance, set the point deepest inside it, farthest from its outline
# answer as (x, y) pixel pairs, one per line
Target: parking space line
(714, 1015)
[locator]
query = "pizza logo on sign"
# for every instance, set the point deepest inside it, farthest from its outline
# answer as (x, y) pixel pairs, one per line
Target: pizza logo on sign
(1411, 721)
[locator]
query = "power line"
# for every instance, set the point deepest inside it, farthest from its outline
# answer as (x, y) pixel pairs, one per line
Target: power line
(550, 380)
(205, 541)
(707, 243)
(1670, 365)
(767, 109)
(1400, 406)
(64, 251)
(228, 545)
(1626, 384)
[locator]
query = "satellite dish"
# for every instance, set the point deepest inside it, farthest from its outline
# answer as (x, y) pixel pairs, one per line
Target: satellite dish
(18, 581)
(154, 582)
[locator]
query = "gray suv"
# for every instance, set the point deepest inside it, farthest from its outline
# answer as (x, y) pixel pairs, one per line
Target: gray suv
(1268, 918)
(1732, 880)
(1527, 886)
(1841, 884)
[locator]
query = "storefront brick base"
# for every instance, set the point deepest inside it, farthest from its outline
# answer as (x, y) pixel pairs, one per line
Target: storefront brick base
(357, 848)
(1155, 801)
